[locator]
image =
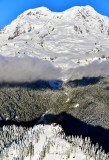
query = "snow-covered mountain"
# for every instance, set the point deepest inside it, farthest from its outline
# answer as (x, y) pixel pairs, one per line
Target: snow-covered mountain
(75, 21)
(68, 40)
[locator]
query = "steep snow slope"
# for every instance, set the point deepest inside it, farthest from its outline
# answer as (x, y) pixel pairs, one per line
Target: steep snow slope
(70, 39)
(45, 142)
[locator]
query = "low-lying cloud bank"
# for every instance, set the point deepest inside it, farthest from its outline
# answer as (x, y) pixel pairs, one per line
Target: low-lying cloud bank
(94, 69)
(26, 69)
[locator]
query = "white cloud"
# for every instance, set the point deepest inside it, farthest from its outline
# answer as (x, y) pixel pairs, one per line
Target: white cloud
(14, 69)
(94, 69)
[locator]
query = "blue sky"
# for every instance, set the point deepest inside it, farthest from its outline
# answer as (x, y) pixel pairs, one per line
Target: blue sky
(10, 9)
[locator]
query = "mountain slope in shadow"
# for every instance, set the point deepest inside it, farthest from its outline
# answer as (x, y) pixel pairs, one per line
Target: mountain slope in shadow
(73, 126)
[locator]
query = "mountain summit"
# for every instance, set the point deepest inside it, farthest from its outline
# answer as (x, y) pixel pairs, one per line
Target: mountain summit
(81, 20)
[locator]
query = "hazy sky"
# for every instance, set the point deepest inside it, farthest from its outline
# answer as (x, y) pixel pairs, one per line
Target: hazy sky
(10, 9)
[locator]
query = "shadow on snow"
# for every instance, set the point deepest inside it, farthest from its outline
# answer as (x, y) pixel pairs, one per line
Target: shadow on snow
(52, 84)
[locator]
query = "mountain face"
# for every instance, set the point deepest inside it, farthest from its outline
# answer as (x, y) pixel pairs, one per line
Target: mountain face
(68, 40)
